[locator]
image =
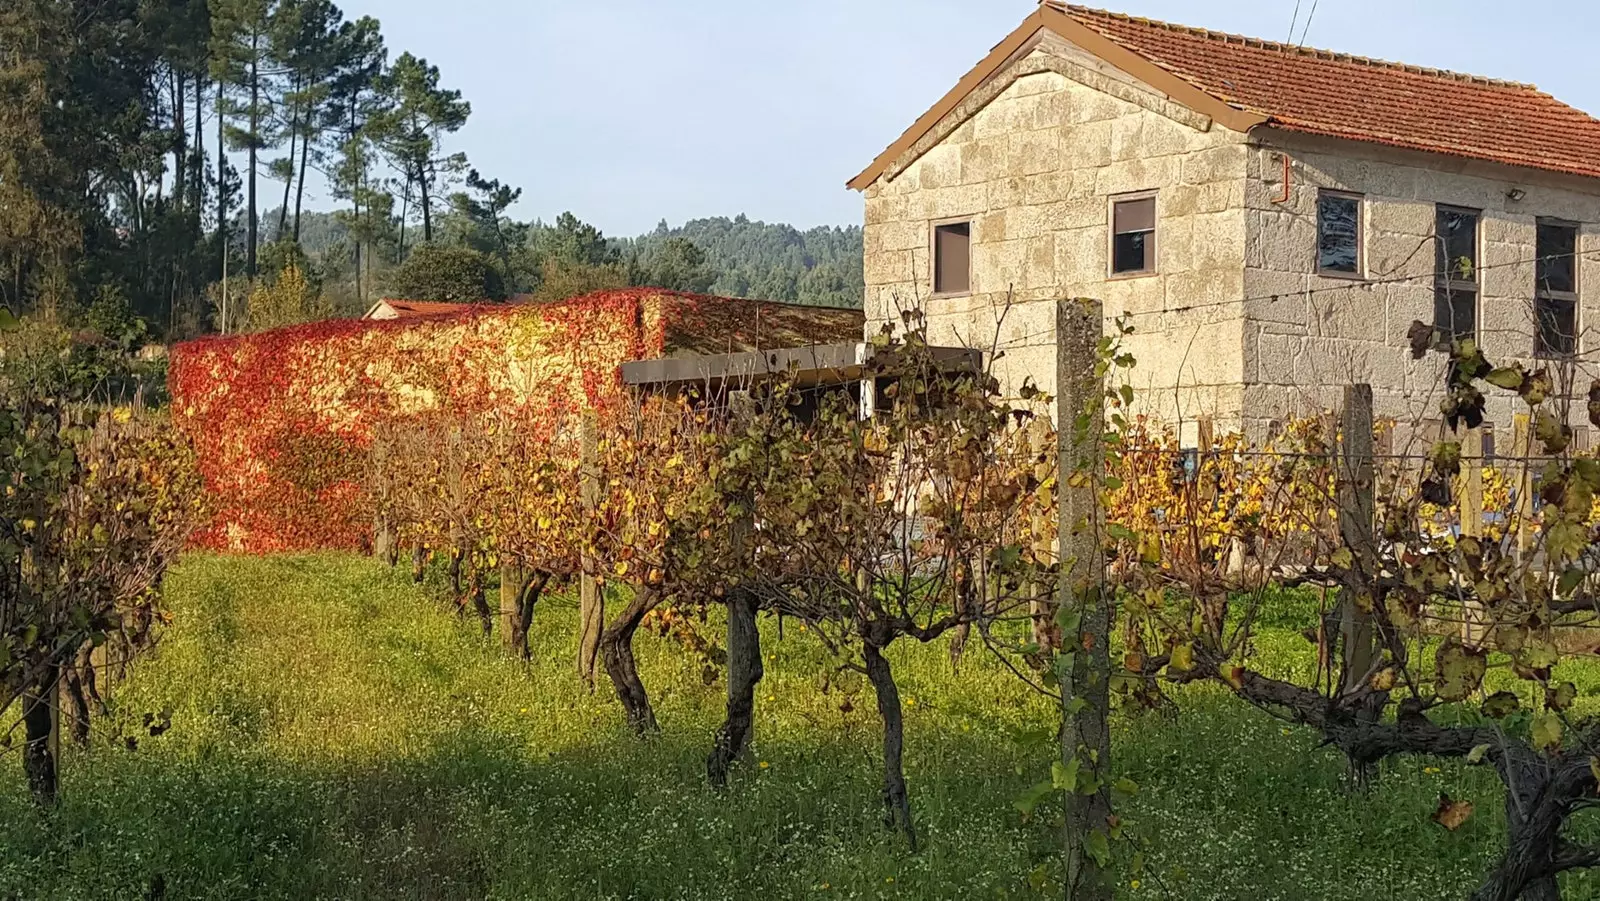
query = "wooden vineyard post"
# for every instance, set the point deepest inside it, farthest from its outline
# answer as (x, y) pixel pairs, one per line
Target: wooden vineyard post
(1356, 477)
(1355, 489)
(591, 603)
(745, 669)
(385, 546)
(1084, 611)
(512, 579)
(1472, 522)
(452, 487)
(1522, 453)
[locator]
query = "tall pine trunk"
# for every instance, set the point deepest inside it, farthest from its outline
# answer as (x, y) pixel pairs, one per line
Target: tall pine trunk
(254, 139)
(288, 182)
(405, 214)
(360, 293)
(222, 184)
(355, 201)
(427, 207)
(197, 187)
(300, 184)
(180, 143)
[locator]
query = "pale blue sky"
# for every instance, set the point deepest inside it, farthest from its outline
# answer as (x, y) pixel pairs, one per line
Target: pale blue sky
(630, 111)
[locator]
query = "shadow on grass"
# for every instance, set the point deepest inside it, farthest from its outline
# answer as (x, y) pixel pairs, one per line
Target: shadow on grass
(338, 737)
(482, 816)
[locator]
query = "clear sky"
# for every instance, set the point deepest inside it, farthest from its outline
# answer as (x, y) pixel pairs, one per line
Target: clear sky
(630, 111)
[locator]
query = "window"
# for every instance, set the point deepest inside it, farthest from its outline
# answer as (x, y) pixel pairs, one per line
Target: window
(1555, 292)
(1455, 293)
(1338, 233)
(952, 258)
(1133, 235)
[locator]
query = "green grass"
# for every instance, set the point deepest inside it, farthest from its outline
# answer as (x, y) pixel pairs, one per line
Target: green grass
(336, 734)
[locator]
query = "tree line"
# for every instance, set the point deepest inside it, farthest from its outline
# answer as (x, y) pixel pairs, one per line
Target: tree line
(549, 261)
(156, 157)
(141, 141)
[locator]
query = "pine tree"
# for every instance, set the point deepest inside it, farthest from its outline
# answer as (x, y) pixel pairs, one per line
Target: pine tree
(411, 132)
(353, 104)
(242, 63)
(40, 225)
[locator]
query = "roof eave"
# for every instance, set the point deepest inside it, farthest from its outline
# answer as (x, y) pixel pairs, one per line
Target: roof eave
(1396, 144)
(1140, 67)
(1047, 18)
(974, 79)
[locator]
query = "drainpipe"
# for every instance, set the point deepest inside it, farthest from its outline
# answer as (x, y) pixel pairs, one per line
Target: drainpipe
(1287, 176)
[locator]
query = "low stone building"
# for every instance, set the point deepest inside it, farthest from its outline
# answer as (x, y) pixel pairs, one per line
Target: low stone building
(413, 309)
(1271, 219)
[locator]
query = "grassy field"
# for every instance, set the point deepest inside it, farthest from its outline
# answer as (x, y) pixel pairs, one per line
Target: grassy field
(336, 734)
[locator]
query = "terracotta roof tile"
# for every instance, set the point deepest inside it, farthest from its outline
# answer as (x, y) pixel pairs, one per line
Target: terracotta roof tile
(1338, 95)
(409, 308)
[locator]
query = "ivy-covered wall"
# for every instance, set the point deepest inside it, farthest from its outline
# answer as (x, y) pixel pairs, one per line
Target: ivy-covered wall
(282, 419)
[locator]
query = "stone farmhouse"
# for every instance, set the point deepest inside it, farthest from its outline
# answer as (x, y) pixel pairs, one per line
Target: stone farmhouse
(1272, 219)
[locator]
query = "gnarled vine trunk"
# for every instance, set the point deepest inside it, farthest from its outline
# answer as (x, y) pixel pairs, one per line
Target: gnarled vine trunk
(520, 591)
(39, 753)
(385, 546)
(73, 681)
(616, 649)
(1536, 810)
(591, 624)
(457, 559)
(480, 602)
(897, 802)
(958, 645)
(419, 564)
(745, 671)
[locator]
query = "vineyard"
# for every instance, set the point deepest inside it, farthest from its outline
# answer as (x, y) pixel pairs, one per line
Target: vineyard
(1387, 608)
(338, 734)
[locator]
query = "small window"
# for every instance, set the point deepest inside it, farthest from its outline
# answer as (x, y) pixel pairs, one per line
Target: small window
(1555, 292)
(1133, 236)
(1339, 233)
(1457, 231)
(1455, 313)
(1455, 298)
(952, 258)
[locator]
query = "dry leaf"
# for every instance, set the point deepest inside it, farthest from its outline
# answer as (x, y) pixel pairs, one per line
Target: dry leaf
(1452, 814)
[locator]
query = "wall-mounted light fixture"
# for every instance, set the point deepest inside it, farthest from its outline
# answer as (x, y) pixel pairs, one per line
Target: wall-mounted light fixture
(1515, 195)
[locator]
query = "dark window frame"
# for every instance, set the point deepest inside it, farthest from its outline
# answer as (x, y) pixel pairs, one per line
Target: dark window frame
(1152, 246)
(1360, 272)
(1450, 287)
(934, 257)
(1545, 296)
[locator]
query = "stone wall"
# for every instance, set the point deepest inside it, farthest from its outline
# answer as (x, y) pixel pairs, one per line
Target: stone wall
(1234, 324)
(1300, 348)
(1032, 161)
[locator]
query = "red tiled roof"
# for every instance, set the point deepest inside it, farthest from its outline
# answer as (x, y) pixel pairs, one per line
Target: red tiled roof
(1338, 95)
(408, 308)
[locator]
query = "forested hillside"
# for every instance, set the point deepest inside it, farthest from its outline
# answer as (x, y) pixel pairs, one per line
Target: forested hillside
(773, 261)
(742, 257)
